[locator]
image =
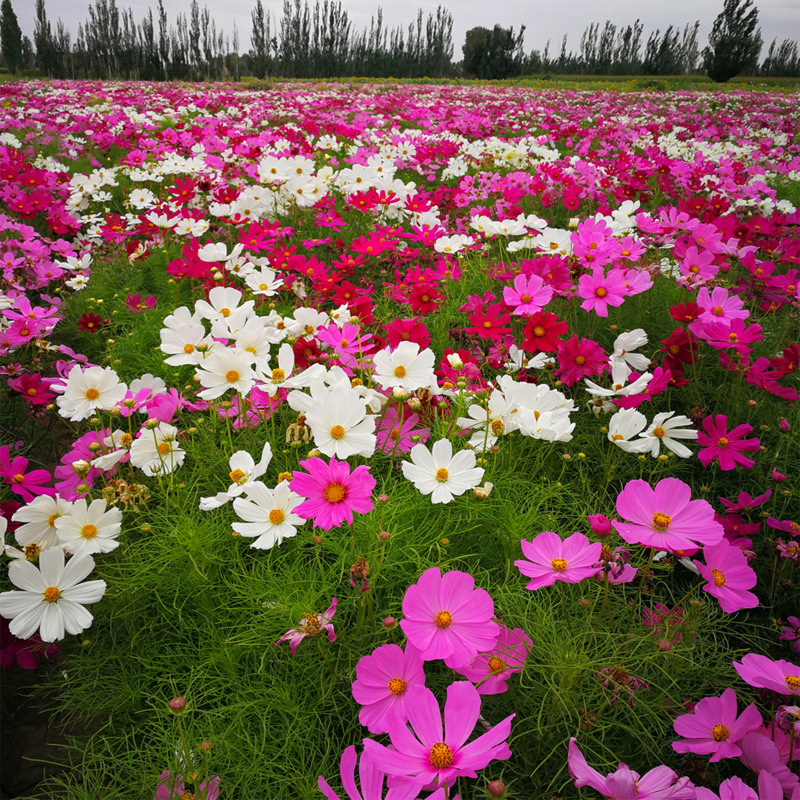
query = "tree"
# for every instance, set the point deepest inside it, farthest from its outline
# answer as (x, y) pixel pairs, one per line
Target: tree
(491, 54)
(734, 43)
(10, 37)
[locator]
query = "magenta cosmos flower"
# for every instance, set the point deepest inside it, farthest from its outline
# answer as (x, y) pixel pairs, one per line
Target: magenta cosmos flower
(528, 294)
(714, 727)
(769, 788)
(310, 625)
(660, 783)
(447, 617)
(601, 291)
(551, 558)
(430, 752)
(665, 517)
(333, 492)
(764, 673)
(579, 358)
(490, 671)
(728, 577)
(25, 484)
(381, 685)
(725, 445)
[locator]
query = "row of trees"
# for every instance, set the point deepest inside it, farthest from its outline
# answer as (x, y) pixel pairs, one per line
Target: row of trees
(319, 40)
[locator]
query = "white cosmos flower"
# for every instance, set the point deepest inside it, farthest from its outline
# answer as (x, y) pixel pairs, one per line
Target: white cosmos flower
(184, 344)
(551, 426)
(218, 251)
(665, 429)
(441, 474)
(223, 302)
(405, 367)
(281, 377)
(619, 389)
(52, 598)
(623, 360)
(224, 369)
(156, 451)
(39, 520)
(268, 514)
(340, 425)
(263, 282)
(86, 390)
(486, 429)
(90, 529)
(452, 244)
(623, 426)
(243, 472)
(120, 444)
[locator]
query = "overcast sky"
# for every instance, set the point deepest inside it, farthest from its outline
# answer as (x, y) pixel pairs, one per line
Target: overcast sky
(543, 19)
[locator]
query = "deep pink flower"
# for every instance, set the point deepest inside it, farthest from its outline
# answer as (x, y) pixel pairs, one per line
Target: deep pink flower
(767, 750)
(528, 295)
(333, 492)
(394, 435)
(714, 728)
(447, 617)
(310, 625)
(728, 577)
(787, 525)
(769, 788)
(407, 330)
(727, 446)
(33, 387)
(431, 752)
(382, 682)
(579, 358)
(744, 502)
(764, 673)
(491, 671)
(601, 291)
(551, 558)
(23, 652)
(136, 305)
(600, 524)
(661, 783)
(25, 484)
(791, 633)
(172, 787)
(665, 517)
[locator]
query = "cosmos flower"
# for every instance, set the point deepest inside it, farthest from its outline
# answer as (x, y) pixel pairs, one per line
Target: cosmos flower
(725, 445)
(310, 625)
(728, 577)
(764, 673)
(268, 514)
(441, 474)
(549, 558)
(490, 671)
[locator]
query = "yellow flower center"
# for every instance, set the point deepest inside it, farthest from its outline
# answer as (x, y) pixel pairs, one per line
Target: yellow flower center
(717, 311)
(719, 733)
(337, 432)
(497, 426)
(278, 375)
(659, 432)
(51, 520)
(601, 292)
(163, 448)
(89, 531)
(397, 686)
(496, 665)
(237, 475)
(232, 376)
(92, 394)
(661, 521)
(284, 476)
(52, 593)
(443, 619)
(18, 478)
(441, 756)
(722, 442)
(334, 493)
(32, 551)
(400, 372)
(442, 474)
(276, 516)
(188, 348)
(226, 312)
(719, 578)
(126, 440)
(580, 360)
(487, 324)
(617, 437)
(526, 298)
(559, 564)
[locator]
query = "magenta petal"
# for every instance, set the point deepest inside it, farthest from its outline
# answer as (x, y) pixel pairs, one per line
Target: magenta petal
(424, 715)
(461, 711)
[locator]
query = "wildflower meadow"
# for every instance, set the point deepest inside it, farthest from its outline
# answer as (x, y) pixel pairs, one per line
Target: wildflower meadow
(382, 442)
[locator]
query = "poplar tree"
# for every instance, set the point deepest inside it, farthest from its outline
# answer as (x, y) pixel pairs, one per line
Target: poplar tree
(10, 37)
(734, 43)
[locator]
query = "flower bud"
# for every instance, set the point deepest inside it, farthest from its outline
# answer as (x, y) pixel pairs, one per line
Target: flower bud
(664, 645)
(81, 467)
(389, 622)
(601, 525)
(177, 704)
(384, 535)
(151, 423)
(382, 498)
(784, 426)
(496, 788)
(779, 477)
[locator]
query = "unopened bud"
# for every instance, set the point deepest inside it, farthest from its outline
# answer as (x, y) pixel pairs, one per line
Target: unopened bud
(177, 704)
(389, 622)
(496, 788)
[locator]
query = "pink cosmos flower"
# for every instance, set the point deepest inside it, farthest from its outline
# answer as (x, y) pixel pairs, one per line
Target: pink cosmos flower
(25, 484)
(790, 632)
(381, 685)
(661, 783)
(698, 265)
(528, 295)
(728, 577)
(23, 652)
(333, 492)
(136, 305)
(34, 388)
(600, 524)
(491, 671)
(769, 788)
(767, 750)
(714, 728)
(172, 787)
(447, 617)
(551, 558)
(310, 625)
(579, 358)
(665, 517)
(601, 291)
(744, 502)
(764, 673)
(394, 435)
(727, 446)
(719, 306)
(428, 752)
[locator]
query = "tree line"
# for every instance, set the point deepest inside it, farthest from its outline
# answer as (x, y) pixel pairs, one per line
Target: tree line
(319, 40)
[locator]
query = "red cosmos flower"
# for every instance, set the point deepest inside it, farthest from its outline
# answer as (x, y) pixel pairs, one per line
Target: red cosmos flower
(90, 322)
(726, 446)
(407, 330)
(136, 305)
(424, 298)
(33, 388)
(489, 323)
(541, 332)
(685, 312)
(679, 347)
(578, 358)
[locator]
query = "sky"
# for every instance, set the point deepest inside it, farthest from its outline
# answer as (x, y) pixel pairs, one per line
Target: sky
(543, 19)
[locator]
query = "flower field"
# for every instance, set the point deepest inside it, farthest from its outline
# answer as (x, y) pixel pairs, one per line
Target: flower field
(394, 442)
